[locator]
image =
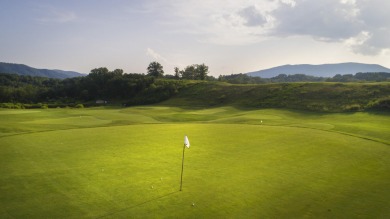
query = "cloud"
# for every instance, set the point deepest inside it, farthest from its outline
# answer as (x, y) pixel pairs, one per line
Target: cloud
(151, 53)
(328, 20)
(292, 3)
(252, 16)
(370, 43)
(358, 42)
(358, 24)
(220, 21)
(251, 21)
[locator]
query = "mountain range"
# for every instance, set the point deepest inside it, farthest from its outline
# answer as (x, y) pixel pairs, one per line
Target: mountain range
(324, 70)
(21, 69)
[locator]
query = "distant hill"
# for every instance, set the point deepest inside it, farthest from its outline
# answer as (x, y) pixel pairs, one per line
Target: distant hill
(325, 70)
(21, 69)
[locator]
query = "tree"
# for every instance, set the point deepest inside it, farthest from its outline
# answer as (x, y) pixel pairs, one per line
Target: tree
(202, 71)
(189, 72)
(196, 72)
(177, 73)
(98, 72)
(117, 72)
(155, 69)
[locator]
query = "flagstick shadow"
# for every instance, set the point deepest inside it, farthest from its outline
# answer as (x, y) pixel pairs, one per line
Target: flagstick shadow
(137, 205)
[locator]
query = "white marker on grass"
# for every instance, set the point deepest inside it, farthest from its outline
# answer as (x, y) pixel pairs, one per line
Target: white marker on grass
(186, 144)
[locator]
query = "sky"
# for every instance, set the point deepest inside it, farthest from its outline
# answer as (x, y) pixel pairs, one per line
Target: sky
(229, 36)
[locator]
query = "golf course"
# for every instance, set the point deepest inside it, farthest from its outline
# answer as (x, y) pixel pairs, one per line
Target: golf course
(116, 162)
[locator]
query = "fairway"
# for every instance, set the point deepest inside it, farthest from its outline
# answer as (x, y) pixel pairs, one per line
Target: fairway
(242, 163)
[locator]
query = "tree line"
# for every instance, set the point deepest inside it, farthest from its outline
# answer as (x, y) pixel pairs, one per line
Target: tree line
(99, 84)
(283, 78)
(133, 88)
(191, 72)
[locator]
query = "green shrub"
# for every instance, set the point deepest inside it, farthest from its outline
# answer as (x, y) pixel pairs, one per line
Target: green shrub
(80, 106)
(380, 104)
(353, 107)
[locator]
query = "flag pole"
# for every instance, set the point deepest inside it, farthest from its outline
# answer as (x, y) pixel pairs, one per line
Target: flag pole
(182, 168)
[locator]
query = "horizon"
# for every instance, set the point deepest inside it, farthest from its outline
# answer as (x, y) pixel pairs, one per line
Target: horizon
(212, 75)
(229, 37)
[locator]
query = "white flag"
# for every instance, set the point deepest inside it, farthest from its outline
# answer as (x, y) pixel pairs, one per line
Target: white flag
(186, 142)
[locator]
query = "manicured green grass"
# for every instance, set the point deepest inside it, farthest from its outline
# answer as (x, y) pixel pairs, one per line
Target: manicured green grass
(125, 163)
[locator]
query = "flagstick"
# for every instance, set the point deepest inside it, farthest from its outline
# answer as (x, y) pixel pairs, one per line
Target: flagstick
(182, 168)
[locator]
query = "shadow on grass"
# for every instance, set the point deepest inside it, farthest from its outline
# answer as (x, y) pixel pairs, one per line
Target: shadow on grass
(137, 205)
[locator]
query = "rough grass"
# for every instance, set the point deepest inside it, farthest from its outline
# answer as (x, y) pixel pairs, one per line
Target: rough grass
(125, 163)
(319, 97)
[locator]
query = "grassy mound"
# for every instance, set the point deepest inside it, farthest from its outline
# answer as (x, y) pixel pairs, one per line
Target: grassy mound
(321, 97)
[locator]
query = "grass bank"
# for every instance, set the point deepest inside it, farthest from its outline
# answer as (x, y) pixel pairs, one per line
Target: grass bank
(320, 97)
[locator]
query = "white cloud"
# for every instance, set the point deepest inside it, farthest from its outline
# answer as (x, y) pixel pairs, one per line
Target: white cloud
(358, 24)
(357, 41)
(252, 16)
(292, 3)
(220, 21)
(367, 43)
(230, 22)
(151, 53)
(351, 2)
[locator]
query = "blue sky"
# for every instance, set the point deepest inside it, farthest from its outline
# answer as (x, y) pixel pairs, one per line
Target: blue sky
(229, 36)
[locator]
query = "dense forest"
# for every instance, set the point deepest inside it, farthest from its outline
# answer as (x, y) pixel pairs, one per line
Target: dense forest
(116, 87)
(100, 84)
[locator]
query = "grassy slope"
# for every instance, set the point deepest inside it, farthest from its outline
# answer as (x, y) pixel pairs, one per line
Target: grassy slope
(126, 162)
(325, 97)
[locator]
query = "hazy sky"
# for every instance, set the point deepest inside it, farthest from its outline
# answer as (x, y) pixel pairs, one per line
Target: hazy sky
(229, 36)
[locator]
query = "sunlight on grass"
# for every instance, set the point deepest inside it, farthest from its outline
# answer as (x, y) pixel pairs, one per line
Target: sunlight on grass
(254, 163)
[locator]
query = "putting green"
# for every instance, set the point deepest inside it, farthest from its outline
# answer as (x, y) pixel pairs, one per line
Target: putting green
(273, 169)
